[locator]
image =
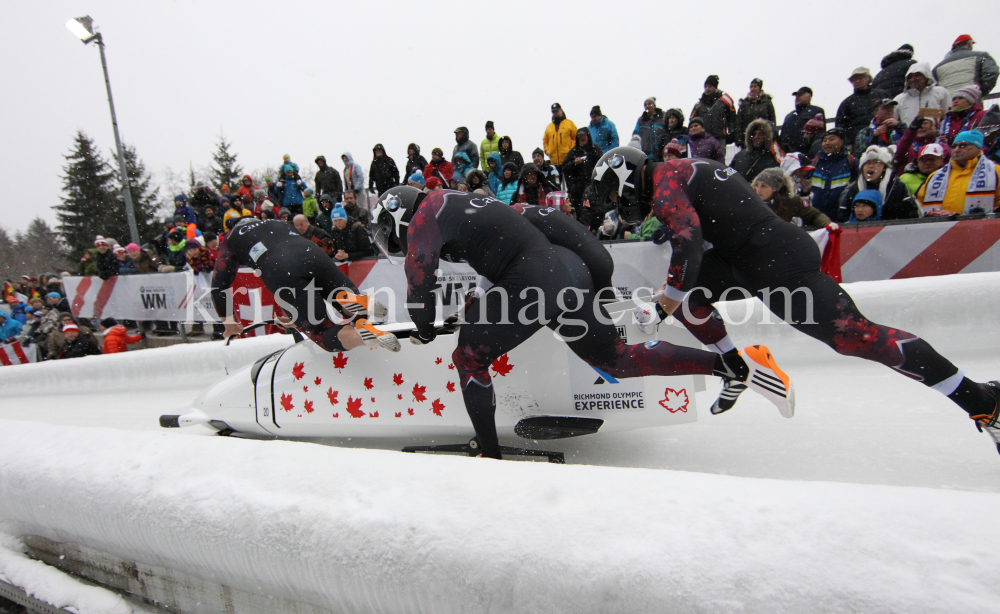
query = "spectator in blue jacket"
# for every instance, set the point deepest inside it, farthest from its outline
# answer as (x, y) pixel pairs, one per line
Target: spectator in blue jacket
(651, 128)
(496, 171)
(18, 310)
(9, 328)
(291, 188)
(602, 130)
(509, 183)
(834, 171)
(181, 208)
(462, 164)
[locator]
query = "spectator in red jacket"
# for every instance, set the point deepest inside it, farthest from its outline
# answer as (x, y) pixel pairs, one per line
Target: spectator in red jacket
(247, 187)
(439, 167)
(116, 338)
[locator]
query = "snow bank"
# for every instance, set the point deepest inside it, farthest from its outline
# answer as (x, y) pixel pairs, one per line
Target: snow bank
(375, 531)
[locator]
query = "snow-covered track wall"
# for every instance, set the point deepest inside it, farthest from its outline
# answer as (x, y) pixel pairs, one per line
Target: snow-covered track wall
(295, 527)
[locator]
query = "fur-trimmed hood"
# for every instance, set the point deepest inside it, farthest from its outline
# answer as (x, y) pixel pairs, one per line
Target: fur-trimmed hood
(752, 127)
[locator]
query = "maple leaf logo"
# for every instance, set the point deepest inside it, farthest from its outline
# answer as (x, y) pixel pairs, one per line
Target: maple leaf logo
(399, 414)
(451, 386)
(286, 402)
(309, 407)
(375, 415)
(336, 415)
(373, 399)
(674, 401)
(437, 406)
(354, 407)
(298, 371)
(305, 389)
(418, 392)
(339, 361)
(368, 383)
(502, 366)
(399, 396)
(437, 361)
(397, 379)
(451, 367)
(318, 381)
(409, 411)
(332, 395)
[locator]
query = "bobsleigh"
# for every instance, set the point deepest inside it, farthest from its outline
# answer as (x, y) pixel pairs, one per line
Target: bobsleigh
(543, 392)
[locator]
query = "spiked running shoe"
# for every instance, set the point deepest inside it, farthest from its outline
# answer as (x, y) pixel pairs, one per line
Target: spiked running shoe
(731, 391)
(768, 380)
(376, 338)
(989, 422)
(361, 305)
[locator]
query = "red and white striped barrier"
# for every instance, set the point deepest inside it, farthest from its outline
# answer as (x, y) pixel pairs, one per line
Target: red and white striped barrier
(874, 253)
(17, 354)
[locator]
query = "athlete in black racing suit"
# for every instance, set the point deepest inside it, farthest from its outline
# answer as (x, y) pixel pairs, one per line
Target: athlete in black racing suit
(523, 266)
(288, 264)
(701, 200)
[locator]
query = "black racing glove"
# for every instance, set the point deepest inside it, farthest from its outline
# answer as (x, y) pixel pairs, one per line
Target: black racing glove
(451, 324)
(917, 122)
(422, 337)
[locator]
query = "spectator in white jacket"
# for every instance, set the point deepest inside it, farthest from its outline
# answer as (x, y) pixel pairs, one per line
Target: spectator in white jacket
(922, 92)
(962, 67)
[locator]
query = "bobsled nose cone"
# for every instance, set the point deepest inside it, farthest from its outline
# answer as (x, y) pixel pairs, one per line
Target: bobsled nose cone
(189, 419)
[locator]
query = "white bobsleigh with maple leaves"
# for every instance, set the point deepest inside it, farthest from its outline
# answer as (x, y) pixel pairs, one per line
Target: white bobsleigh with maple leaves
(543, 391)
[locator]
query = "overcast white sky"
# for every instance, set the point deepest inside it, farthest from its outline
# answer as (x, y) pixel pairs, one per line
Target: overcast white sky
(309, 78)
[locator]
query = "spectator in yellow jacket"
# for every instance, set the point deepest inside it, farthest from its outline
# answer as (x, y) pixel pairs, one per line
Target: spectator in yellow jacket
(951, 189)
(490, 144)
(560, 136)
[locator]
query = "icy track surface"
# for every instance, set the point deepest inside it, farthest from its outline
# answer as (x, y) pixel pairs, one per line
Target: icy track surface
(878, 496)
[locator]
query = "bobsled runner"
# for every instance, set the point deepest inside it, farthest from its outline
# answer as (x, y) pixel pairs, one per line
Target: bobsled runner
(543, 392)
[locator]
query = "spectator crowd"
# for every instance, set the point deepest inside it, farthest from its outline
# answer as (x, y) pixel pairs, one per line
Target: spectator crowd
(910, 141)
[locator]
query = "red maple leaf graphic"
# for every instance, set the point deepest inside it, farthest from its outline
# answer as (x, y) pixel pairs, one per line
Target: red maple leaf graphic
(332, 395)
(437, 406)
(437, 361)
(354, 407)
(298, 370)
(399, 414)
(418, 392)
(409, 411)
(309, 407)
(501, 366)
(451, 386)
(399, 396)
(286, 402)
(451, 366)
(305, 389)
(373, 399)
(336, 415)
(368, 383)
(339, 361)
(397, 379)
(375, 415)
(318, 381)
(674, 401)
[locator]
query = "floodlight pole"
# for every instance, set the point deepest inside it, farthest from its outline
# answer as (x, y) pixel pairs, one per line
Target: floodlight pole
(126, 189)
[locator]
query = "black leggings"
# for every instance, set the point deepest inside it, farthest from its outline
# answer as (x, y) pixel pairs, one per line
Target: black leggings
(289, 280)
(568, 308)
(818, 307)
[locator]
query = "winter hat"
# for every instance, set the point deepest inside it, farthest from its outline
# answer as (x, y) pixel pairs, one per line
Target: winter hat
(53, 295)
(860, 70)
(132, 247)
(433, 183)
(13, 299)
(906, 47)
(309, 191)
(246, 201)
(283, 211)
(776, 179)
(876, 153)
(182, 198)
(933, 149)
(556, 106)
(759, 82)
(438, 151)
(596, 110)
(792, 162)
(109, 322)
(338, 213)
(990, 122)
(489, 124)
(37, 313)
(99, 240)
(964, 38)
(267, 206)
(417, 178)
(286, 158)
(974, 137)
(67, 327)
(326, 198)
(650, 99)
(223, 201)
(180, 219)
(696, 120)
(635, 142)
(225, 189)
(873, 197)
(712, 80)
(972, 93)
(837, 132)
(815, 124)
(118, 250)
(209, 237)
(675, 148)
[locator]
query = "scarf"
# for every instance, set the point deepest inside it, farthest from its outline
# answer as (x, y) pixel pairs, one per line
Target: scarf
(979, 194)
(884, 137)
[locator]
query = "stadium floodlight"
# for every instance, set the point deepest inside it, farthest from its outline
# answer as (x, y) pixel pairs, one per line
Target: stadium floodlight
(82, 27)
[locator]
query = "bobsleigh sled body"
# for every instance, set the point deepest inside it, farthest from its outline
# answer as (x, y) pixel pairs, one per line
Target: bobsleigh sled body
(543, 391)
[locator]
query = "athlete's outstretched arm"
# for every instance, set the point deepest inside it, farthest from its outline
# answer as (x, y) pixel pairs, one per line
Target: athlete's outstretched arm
(423, 256)
(673, 207)
(223, 276)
